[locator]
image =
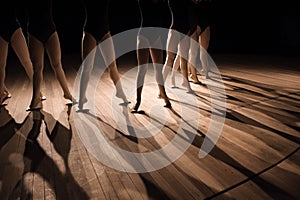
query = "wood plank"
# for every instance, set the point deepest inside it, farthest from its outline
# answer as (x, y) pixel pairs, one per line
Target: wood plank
(261, 128)
(272, 183)
(11, 152)
(124, 145)
(82, 169)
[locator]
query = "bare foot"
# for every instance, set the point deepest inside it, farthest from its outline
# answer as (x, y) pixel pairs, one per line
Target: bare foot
(136, 107)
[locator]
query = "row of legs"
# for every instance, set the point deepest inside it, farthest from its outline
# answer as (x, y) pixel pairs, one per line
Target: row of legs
(31, 56)
(33, 62)
(188, 49)
(175, 43)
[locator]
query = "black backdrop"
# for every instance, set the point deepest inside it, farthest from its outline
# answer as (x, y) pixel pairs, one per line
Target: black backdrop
(258, 27)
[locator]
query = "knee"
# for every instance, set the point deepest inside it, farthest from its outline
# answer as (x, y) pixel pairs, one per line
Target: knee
(37, 67)
(38, 70)
(55, 60)
(56, 65)
(37, 73)
(170, 60)
(36, 60)
(142, 71)
(26, 63)
(86, 72)
(183, 63)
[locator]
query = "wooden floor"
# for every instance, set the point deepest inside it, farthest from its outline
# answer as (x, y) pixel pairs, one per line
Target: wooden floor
(256, 157)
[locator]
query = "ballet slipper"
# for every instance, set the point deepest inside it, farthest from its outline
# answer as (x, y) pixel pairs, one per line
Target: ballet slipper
(3, 97)
(190, 91)
(35, 105)
(43, 98)
(8, 94)
(163, 96)
(81, 102)
(194, 79)
(120, 94)
(136, 107)
(168, 105)
(188, 87)
(125, 103)
(69, 97)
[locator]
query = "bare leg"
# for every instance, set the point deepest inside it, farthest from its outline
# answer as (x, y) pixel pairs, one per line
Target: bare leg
(143, 59)
(36, 49)
(172, 46)
(3, 57)
(183, 49)
(193, 57)
(157, 58)
(88, 56)
(53, 50)
(108, 53)
(204, 41)
(176, 66)
(20, 47)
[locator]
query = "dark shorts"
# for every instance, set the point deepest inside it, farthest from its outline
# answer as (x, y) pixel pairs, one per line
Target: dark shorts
(42, 32)
(7, 28)
(200, 15)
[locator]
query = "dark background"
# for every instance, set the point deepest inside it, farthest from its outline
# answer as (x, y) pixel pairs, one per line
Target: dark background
(256, 27)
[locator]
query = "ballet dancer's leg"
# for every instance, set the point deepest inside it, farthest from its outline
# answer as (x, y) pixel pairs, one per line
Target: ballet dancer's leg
(193, 52)
(108, 52)
(3, 57)
(183, 49)
(204, 41)
(36, 50)
(54, 53)
(20, 47)
(172, 44)
(157, 59)
(88, 56)
(175, 68)
(142, 57)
